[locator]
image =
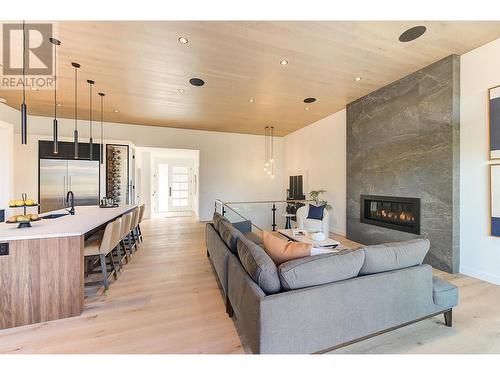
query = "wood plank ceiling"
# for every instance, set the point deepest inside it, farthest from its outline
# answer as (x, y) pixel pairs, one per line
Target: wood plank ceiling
(142, 66)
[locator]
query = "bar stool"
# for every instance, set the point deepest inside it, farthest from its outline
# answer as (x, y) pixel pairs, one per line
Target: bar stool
(141, 216)
(133, 229)
(125, 234)
(102, 247)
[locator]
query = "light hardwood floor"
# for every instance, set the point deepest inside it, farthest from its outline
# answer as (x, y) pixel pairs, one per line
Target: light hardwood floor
(167, 300)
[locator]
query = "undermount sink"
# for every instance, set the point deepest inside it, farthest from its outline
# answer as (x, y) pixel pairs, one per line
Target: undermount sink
(54, 216)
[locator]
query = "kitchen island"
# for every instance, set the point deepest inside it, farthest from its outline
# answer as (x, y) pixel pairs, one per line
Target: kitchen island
(41, 268)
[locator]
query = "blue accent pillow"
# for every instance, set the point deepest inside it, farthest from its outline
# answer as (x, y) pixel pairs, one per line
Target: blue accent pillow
(243, 226)
(315, 212)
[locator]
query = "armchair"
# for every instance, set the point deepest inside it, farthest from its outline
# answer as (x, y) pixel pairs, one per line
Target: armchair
(312, 225)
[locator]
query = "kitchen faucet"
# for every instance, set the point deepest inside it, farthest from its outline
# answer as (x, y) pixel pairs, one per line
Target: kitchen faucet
(72, 209)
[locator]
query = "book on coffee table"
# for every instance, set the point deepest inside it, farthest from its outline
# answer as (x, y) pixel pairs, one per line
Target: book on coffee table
(305, 236)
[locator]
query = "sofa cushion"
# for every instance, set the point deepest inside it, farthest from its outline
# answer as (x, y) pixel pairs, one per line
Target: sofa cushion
(254, 237)
(259, 266)
(394, 256)
(217, 219)
(282, 251)
(444, 293)
(320, 269)
(315, 212)
(229, 235)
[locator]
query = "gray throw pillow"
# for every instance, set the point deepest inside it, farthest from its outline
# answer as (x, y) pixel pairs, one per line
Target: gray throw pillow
(394, 256)
(259, 266)
(217, 219)
(320, 269)
(229, 235)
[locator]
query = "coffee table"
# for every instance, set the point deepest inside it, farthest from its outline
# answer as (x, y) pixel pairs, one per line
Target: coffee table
(328, 243)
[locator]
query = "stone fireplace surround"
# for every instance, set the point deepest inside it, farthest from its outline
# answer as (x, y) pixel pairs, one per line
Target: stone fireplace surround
(403, 140)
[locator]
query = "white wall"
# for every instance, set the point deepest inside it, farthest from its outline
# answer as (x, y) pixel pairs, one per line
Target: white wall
(479, 252)
(230, 163)
(6, 168)
(320, 149)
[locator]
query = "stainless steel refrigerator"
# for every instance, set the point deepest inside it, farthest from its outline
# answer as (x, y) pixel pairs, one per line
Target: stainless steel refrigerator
(57, 177)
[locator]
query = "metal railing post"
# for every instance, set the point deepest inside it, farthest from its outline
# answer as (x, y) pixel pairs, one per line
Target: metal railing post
(223, 210)
(274, 217)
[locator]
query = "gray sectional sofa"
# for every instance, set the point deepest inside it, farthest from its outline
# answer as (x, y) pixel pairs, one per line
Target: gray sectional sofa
(320, 303)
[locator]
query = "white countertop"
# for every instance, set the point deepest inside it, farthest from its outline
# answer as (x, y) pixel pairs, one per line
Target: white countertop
(86, 218)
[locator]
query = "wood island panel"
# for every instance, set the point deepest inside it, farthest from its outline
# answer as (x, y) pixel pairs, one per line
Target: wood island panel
(41, 280)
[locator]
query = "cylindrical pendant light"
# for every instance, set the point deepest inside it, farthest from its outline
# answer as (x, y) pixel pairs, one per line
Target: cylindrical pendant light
(55, 130)
(75, 133)
(24, 111)
(91, 140)
(101, 156)
(271, 160)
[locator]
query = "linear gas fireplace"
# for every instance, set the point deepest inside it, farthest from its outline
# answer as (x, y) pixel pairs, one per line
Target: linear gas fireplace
(397, 213)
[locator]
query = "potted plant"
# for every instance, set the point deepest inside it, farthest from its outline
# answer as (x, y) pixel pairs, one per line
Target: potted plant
(316, 196)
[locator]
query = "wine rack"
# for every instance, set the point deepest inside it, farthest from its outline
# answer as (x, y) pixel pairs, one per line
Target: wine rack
(117, 173)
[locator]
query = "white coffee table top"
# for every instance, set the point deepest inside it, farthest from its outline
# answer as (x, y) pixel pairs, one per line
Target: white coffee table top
(328, 242)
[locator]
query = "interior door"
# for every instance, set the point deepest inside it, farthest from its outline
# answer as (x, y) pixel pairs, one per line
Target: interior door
(83, 181)
(53, 184)
(180, 195)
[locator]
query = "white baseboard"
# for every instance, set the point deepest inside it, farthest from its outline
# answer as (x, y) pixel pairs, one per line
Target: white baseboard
(485, 276)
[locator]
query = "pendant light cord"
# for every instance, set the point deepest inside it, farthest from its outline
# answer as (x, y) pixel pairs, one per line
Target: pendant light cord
(102, 132)
(24, 61)
(76, 98)
(90, 108)
(55, 81)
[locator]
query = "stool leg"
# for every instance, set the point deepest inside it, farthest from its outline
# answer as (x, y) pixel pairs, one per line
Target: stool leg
(113, 265)
(104, 271)
(140, 232)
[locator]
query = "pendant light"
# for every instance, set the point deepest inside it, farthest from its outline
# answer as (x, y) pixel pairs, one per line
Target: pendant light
(271, 147)
(269, 150)
(91, 141)
(55, 130)
(266, 160)
(24, 111)
(101, 154)
(75, 133)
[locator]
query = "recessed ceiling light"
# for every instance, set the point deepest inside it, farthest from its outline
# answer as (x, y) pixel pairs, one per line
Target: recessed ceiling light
(183, 40)
(306, 108)
(412, 34)
(357, 79)
(196, 81)
(283, 62)
(34, 88)
(309, 100)
(115, 111)
(181, 90)
(59, 104)
(251, 100)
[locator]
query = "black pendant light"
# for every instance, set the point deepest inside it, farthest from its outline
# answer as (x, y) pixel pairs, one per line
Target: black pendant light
(91, 140)
(55, 130)
(101, 155)
(24, 112)
(75, 134)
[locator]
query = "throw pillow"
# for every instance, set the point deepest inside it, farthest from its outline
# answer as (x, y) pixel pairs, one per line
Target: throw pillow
(281, 251)
(315, 212)
(243, 226)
